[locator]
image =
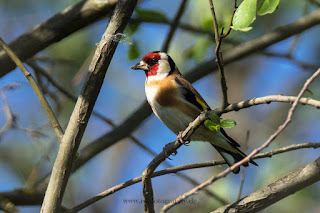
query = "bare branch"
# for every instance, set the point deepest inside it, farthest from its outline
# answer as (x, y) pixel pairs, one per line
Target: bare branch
(219, 59)
(9, 115)
(182, 26)
(285, 186)
(245, 49)
(267, 100)
(84, 106)
(54, 29)
(243, 173)
(174, 26)
(290, 57)
(8, 207)
(231, 21)
(315, 2)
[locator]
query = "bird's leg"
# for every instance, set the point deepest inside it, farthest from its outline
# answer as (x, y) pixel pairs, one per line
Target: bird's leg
(166, 148)
(180, 139)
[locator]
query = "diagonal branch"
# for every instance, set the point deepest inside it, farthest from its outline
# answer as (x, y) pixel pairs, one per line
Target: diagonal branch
(54, 29)
(174, 26)
(84, 106)
(281, 188)
(10, 117)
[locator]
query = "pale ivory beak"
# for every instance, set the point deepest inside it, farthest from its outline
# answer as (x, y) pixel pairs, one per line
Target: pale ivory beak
(141, 66)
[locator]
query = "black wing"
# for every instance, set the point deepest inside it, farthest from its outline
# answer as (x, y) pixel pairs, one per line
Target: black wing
(191, 97)
(233, 142)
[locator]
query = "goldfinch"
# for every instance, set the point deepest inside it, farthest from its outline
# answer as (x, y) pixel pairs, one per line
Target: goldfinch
(176, 103)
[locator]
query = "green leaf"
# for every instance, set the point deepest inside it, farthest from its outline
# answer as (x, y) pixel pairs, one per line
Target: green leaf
(228, 123)
(215, 118)
(133, 52)
(245, 15)
(131, 28)
(149, 14)
(211, 125)
(267, 6)
(198, 50)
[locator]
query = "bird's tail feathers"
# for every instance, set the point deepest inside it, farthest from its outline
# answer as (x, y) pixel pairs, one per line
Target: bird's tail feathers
(232, 157)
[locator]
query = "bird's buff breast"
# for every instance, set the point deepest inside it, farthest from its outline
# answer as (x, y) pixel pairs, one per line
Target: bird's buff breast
(177, 121)
(172, 117)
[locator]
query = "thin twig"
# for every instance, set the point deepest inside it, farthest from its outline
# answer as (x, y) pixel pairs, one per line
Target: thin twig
(11, 121)
(231, 22)
(249, 157)
(267, 100)
(243, 173)
(182, 26)
(65, 92)
(290, 57)
(276, 191)
(174, 25)
(315, 2)
(54, 29)
(218, 53)
(8, 207)
(54, 122)
(176, 169)
(9, 115)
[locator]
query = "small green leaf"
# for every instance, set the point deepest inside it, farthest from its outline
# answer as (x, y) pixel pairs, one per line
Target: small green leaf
(149, 14)
(245, 15)
(228, 123)
(199, 49)
(215, 118)
(131, 28)
(133, 52)
(211, 125)
(267, 6)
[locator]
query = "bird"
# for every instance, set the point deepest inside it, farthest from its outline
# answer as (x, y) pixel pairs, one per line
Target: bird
(177, 103)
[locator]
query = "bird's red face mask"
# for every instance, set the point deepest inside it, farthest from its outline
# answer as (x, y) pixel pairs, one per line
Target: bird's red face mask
(149, 63)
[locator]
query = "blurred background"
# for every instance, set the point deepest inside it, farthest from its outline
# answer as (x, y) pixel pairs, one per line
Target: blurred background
(27, 152)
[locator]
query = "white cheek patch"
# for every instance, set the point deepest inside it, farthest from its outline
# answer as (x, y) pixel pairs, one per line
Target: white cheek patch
(163, 71)
(164, 56)
(164, 66)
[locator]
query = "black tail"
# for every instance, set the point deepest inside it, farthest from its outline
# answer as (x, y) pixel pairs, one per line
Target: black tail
(233, 157)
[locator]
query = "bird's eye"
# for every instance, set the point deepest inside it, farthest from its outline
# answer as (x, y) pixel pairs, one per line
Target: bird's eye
(153, 61)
